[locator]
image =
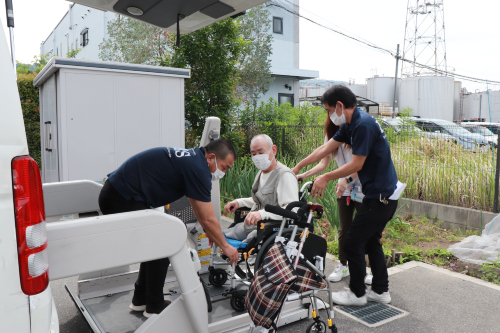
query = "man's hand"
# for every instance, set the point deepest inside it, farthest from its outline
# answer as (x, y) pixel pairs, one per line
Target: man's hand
(319, 187)
(232, 206)
(252, 218)
(302, 177)
(296, 169)
(231, 253)
(341, 187)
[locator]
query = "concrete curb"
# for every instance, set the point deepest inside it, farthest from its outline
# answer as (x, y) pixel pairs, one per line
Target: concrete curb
(451, 217)
(412, 264)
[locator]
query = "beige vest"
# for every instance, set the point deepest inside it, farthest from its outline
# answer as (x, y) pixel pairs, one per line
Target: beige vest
(268, 194)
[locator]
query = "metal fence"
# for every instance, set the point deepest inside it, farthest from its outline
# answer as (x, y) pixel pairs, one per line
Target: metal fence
(441, 165)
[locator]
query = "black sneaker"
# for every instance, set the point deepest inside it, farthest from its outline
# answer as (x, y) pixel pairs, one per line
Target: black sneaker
(151, 310)
(137, 304)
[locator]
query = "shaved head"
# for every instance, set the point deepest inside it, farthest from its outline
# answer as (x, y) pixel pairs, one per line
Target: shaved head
(262, 138)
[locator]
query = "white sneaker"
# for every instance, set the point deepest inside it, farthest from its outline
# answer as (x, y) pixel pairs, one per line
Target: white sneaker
(383, 298)
(339, 272)
(369, 278)
(347, 297)
(137, 307)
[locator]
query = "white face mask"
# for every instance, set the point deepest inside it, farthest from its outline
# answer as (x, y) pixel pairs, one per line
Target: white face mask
(336, 119)
(218, 174)
(262, 161)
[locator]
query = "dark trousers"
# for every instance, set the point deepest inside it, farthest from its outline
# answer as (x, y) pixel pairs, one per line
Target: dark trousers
(346, 214)
(152, 274)
(364, 236)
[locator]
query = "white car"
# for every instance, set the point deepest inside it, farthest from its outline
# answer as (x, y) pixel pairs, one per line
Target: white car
(26, 303)
(396, 125)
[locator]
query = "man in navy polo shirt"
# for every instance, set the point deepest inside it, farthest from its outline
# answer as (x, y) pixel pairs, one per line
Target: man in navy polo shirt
(373, 163)
(155, 178)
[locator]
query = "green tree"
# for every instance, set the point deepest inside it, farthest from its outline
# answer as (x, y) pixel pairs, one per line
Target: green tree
(135, 42)
(212, 54)
(254, 63)
(39, 62)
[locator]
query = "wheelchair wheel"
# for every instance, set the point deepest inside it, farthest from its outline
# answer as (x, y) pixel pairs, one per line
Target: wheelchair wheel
(287, 233)
(238, 303)
(317, 327)
(217, 277)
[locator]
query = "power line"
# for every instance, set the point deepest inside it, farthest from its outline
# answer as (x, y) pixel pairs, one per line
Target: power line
(374, 46)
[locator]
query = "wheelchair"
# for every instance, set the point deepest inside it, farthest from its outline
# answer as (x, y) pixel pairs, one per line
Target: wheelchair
(252, 253)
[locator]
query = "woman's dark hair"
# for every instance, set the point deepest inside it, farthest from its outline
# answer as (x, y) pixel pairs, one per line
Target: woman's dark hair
(339, 93)
(330, 129)
(221, 148)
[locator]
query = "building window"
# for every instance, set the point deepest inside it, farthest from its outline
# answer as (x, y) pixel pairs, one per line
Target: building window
(285, 98)
(278, 25)
(84, 37)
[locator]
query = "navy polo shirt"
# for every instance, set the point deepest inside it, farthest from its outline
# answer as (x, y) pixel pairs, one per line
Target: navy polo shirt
(367, 138)
(159, 176)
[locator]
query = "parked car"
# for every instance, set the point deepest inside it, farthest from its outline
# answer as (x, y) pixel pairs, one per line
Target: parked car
(463, 137)
(489, 131)
(396, 124)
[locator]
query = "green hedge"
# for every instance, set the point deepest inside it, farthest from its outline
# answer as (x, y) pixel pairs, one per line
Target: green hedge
(30, 105)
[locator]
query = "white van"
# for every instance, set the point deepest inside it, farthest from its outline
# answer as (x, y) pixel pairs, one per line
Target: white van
(26, 303)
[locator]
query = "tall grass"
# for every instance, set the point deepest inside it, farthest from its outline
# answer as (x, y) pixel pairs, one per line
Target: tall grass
(443, 172)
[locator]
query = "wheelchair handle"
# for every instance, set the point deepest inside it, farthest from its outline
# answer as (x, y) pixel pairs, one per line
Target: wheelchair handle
(281, 212)
(295, 204)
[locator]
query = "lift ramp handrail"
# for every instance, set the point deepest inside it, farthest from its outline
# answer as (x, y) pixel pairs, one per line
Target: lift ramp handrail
(102, 242)
(79, 196)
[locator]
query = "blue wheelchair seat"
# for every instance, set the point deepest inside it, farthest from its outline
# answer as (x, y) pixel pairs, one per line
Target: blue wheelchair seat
(235, 243)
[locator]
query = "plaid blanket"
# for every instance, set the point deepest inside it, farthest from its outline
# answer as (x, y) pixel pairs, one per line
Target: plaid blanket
(270, 287)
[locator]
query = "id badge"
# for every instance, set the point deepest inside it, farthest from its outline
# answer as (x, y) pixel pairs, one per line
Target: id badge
(356, 194)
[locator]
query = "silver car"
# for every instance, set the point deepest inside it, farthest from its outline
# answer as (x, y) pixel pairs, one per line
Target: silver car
(489, 131)
(462, 136)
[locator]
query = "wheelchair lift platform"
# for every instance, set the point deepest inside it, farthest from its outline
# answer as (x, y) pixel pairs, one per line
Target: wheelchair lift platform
(104, 303)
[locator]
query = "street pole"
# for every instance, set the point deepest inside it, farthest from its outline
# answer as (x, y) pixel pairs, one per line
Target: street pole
(10, 25)
(395, 85)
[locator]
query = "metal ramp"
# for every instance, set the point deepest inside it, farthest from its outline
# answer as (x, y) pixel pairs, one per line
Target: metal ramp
(108, 312)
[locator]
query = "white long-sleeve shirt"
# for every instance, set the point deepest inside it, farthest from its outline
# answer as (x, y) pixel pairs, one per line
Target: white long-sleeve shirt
(287, 190)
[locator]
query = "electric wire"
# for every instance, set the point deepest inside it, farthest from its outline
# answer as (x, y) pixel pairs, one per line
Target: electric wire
(376, 47)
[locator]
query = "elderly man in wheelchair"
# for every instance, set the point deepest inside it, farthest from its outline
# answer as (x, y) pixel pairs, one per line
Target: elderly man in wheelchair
(275, 184)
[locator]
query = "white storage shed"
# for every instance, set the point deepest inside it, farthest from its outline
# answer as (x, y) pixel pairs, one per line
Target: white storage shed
(94, 115)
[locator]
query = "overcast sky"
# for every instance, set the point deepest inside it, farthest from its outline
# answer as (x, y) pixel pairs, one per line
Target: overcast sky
(472, 35)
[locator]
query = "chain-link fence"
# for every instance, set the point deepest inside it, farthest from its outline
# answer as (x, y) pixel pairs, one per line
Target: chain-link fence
(441, 163)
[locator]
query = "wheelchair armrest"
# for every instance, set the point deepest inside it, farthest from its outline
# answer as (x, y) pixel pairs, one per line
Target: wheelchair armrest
(237, 214)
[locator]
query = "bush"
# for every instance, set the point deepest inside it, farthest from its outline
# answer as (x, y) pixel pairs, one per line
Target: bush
(295, 130)
(30, 105)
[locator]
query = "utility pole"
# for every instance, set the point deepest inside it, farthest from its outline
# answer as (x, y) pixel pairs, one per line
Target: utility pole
(395, 85)
(10, 25)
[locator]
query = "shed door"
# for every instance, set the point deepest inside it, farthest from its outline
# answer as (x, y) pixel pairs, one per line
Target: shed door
(50, 166)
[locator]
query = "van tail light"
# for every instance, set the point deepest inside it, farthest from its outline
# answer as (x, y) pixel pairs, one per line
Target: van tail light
(30, 225)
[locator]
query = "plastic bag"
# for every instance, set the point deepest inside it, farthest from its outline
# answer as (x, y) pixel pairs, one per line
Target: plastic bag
(480, 249)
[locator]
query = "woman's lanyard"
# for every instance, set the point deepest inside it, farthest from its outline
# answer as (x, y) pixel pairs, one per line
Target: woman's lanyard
(342, 151)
